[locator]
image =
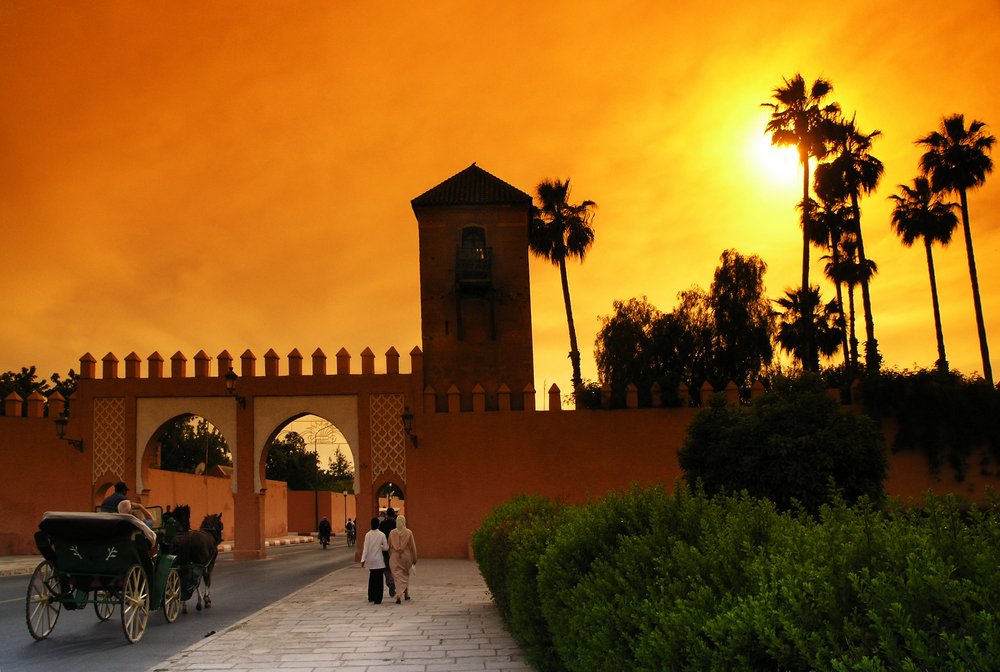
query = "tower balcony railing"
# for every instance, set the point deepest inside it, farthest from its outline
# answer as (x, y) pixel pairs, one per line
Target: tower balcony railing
(474, 265)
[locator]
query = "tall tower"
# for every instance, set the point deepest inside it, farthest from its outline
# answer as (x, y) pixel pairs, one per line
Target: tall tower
(475, 299)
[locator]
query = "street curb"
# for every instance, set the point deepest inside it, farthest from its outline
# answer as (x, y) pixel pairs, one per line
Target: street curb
(227, 547)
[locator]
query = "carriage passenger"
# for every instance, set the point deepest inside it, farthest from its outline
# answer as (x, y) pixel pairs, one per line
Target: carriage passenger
(126, 506)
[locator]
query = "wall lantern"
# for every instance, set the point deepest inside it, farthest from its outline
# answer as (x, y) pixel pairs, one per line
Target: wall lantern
(408, 425)
(231, 379)
(61, 423)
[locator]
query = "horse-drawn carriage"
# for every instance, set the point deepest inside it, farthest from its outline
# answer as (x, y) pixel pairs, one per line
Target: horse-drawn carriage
(114, 559)
(103, 559)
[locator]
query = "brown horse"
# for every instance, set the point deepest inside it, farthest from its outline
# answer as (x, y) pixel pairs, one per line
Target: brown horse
(196, 553)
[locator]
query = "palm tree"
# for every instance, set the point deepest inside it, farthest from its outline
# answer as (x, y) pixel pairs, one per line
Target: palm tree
(852, 172)
(560, 230)
(920, 213)
(829, 223)
(851, 272)
(825, 325)
(798, 119)
(957, 159)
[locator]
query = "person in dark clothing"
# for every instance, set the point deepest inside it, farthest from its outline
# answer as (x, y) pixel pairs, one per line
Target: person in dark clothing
(111, 502)
(385, 527)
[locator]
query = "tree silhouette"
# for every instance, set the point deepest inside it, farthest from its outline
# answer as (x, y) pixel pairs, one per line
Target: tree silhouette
(920, 213)
(561, 230)
(829, 226)
(851, 272)
(957, 159)
(852, 172)
(799, 119)
(805, 313)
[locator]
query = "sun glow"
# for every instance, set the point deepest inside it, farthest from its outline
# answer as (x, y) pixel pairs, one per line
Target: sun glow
(779, 165)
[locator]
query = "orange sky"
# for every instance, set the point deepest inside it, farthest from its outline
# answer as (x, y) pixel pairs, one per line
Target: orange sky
(238, 175)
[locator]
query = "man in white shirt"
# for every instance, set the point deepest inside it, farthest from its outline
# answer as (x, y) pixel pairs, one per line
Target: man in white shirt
(375, 543)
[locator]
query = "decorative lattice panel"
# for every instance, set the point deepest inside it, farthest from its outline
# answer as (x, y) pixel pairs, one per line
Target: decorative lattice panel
(109, 436)
(388, 452)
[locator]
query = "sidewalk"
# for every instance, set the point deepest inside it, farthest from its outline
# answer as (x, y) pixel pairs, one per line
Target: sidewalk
(11, 565)
(450, 625)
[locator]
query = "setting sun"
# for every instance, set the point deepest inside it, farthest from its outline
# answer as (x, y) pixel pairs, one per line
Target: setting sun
(779, 164)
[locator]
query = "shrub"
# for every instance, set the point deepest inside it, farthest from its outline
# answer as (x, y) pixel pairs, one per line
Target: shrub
(788, 446)
(647, 580)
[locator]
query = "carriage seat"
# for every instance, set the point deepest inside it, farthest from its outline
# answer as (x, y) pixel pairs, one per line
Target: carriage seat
(93, 527)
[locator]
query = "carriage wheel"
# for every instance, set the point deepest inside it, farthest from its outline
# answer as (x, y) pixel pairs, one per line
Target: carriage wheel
(172, 596)
(104, 607)
(42, 607)
(135, 603)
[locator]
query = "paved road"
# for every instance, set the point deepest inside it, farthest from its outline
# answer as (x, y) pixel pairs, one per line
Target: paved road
(81, 642)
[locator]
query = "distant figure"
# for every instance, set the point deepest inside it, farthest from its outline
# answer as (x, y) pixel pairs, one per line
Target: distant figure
(127, 507)
(375, 544)
(402, 556)
(324, 532)
(386, 527)
(111, 502)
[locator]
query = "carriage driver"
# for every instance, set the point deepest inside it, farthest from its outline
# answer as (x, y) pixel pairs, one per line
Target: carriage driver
(126, 506)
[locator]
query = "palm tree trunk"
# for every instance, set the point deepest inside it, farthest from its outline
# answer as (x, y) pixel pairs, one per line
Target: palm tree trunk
(942, 363)
(807, 336)
(984, 347)
(873, 360)
(854, 332)
(574, 352)
(835, 254)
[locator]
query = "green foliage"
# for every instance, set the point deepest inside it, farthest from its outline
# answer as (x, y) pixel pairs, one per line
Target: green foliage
(507, 546)
(716, 336)
(191, 441)
(26, 382)
(788, 446)
(290, 460)
(945, 415)
(648, 580)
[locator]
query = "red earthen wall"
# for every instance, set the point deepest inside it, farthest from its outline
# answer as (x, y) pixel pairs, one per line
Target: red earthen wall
(40, 473)
(302, 510)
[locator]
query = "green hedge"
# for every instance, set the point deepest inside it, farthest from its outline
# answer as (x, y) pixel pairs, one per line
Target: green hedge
(649, 580)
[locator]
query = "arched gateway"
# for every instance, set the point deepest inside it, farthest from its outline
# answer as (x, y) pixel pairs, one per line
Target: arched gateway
(122, 418)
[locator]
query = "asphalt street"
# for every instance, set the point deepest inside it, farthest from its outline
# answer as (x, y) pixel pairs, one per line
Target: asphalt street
(81, 642)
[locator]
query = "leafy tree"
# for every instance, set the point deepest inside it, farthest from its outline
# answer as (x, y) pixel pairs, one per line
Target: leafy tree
(561, 230)
(829, 224)
(743, 319)
(626, 350)
(26, 382)
(920, 213)
(191, 441)
(789, 446)
(292, 461)
(852, 172)
(716, 336)
(957, 159)
(805, 314)
(800, 119)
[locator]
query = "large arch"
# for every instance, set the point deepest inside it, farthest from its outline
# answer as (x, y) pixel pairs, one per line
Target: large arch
(271, 414)
(153, 413)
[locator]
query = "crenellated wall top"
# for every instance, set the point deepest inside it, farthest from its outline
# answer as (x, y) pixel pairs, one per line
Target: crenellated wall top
(273, 367)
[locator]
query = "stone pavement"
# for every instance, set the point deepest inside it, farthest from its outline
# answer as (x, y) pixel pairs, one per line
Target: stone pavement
(450, 625)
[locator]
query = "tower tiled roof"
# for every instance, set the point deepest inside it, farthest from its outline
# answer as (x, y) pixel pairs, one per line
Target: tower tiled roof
(472, 186)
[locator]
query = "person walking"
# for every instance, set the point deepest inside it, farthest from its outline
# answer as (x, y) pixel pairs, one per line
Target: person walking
(386, 527)
(402, 556)
(375, 545)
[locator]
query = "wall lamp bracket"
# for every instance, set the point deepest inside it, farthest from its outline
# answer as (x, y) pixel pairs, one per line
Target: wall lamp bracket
(61, 423)
(231, 379)
(408, 425)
